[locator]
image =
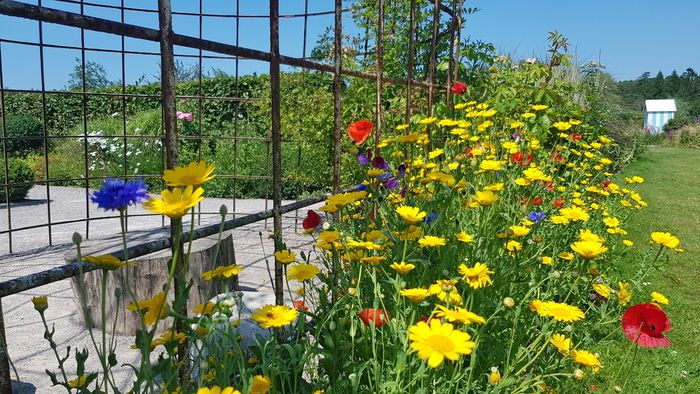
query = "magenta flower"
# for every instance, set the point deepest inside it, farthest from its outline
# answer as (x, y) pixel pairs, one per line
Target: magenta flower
(184, 116)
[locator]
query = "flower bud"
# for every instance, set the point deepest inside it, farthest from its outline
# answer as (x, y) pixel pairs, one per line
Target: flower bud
(77, 238)
(40, 303)
(579, 374)
(223, 210)
(508, 302)
(326, 226)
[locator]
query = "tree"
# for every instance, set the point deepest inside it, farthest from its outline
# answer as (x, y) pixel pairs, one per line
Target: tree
(95, 76)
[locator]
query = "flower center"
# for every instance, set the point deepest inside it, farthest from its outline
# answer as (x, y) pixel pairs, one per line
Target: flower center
(440, 343)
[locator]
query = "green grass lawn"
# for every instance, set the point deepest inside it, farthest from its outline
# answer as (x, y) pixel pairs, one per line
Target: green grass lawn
(672, 189)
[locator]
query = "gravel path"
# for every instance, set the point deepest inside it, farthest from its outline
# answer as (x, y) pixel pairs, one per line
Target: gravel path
(27, 348)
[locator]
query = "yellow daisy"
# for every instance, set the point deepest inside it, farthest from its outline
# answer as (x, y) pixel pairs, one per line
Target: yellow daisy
(275, 316)
(194, 174)
(439, 341)
(175, 203)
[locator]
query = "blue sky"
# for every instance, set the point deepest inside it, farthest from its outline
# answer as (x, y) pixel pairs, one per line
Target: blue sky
(631, 37)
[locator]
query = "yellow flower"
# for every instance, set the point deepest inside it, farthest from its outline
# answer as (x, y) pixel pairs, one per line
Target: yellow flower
(410, 214)
(412, 233)
(491, 165)
(559, 311)
(568, 256)
(446, 291)
(431, 241)
(166, 338)
(659, 298)
(517, 124)
(438, 341)
(302, 272)
(204, 309)
(665, 239)
(494, 376)
(539, 107)
(476, 276)
(340, 201)
(217, 390)
(194, 174)
(558, 219)
(154, 308)
(285, 256)
(586, 358)
(534, 174)
(588, 249)
(624, 294)
(222, 272)
(485, 197)
(275, 316)
(372, 259)
(527, 115)
(464, 237)
(107, 262)
(459, 315)
(602, 289)
(561, 342)
(416, 294)
(627, 242)
(546, 260)
(574, 214)
(175, 203)
(40, 303)
(402, 267)
(79, 382)
(435, 153)
(588, 235)
(611, 221)
(518, 231)
(261, 385)
(513, 246)
(562, 126)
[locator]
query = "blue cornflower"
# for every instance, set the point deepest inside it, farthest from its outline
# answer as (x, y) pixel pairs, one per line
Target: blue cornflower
(117, 194)
(361, 187)
(430, 218)
(536, 216)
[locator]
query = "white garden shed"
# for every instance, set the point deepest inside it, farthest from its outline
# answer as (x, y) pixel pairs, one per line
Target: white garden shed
(657, 113)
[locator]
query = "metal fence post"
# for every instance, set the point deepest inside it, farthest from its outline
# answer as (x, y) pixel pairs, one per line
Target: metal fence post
(276, 144)
(380, 73)
(337, 55)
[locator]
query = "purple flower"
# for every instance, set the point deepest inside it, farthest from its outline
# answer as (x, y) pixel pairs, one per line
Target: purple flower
(401, 171)
(379, 162)
(391, 183)
(363, 159)
(536, 216)
(117, 194)
(517, 136)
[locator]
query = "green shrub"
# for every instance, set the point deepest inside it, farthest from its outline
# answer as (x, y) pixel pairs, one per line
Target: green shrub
(19, 172)
(677, 123)
(22, 126)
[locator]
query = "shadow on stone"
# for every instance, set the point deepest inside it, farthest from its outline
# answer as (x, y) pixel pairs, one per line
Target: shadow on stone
(22, 388)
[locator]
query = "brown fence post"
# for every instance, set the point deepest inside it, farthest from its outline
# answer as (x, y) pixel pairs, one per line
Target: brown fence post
(380, 73)
(167, 85)
(276, 144)
(433, 55)
(411, 59)
(337, 64)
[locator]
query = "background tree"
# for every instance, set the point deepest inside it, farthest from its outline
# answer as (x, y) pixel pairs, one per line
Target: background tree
(95, 76)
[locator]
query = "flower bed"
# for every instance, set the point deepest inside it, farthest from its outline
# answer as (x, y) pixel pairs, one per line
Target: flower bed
(478, 254)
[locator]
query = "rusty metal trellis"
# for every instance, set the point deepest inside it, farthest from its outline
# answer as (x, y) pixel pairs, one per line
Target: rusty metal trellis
(168, 39)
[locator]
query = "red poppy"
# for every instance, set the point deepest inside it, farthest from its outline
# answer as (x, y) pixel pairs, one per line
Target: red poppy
(521, 158)
(645, 324)
(576, 136)
(550, 186)
(377, 316)
(299, 305)
(557, 157)
(311, 221)
(358, 131)
(559, 202)
(536, 201)
(605, 184)
(458, 88)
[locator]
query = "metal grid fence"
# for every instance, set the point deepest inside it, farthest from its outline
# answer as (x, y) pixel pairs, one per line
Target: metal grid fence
(166, 98)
